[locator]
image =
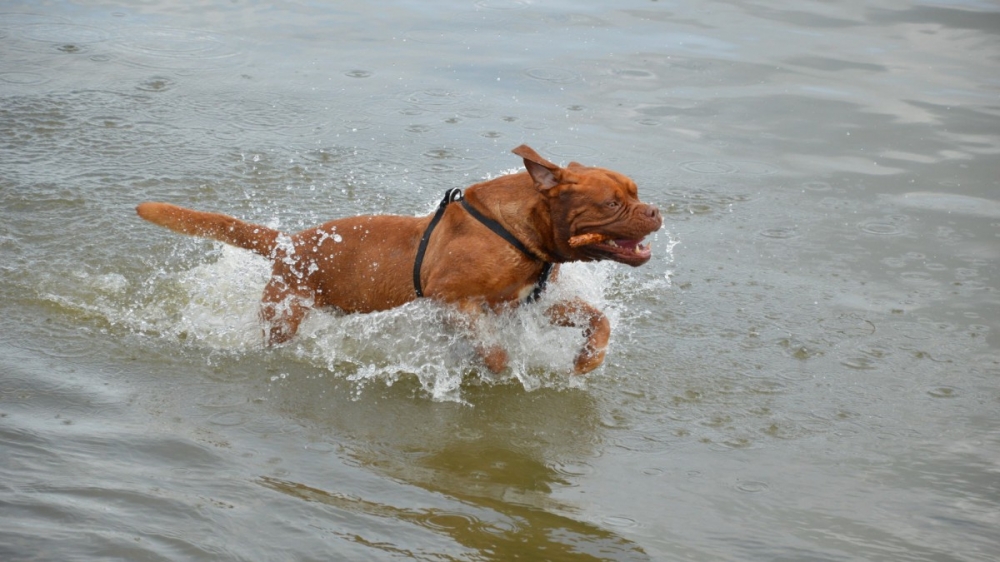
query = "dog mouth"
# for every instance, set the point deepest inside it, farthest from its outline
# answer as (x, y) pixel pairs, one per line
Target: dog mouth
(623, 250)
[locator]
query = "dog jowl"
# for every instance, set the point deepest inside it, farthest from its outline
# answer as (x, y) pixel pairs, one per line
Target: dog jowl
(494, 246)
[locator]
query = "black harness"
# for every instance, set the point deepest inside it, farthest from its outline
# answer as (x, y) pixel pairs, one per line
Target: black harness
(453, 195)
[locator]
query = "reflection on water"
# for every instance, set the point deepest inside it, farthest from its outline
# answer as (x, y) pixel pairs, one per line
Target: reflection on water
(488, 457)
(806, 370)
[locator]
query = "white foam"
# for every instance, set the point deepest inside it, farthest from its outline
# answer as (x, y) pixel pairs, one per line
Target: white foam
(214, 305)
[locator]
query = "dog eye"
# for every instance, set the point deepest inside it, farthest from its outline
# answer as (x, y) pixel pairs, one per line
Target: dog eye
(614, 204)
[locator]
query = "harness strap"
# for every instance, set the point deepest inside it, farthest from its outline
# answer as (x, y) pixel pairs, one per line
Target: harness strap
(449, 196)
(543, 280)
(499, 230)
(453, 195)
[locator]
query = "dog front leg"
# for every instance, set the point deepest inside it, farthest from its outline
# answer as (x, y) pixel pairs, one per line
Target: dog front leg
(467, 316)
(596, 329)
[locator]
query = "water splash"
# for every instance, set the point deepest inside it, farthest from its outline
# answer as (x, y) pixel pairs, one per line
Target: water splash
(213, 306)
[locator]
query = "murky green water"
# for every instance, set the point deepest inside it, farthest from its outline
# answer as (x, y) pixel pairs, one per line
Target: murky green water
(809, 368)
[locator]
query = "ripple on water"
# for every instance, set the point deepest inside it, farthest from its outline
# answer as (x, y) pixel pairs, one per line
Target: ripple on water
(915, 331)
(63, 348)
(707, 167)
(633, 74)
(780, 232)
(556, 75)
(333, 155)
(572, 469)
(798, 375)
(859, 363)
(156, 84)
(63, 33)
(943, 392)
(620, 521)
(382, 162)
(452, 521)
(137, 142)
(451, 160)
(18, 20)
(434, 98)
(572, 151)
(638, 442)
(918, 278)
(817, 186)
(712, 167)
(431, 36)
(23, 78)
(503, 4)
(893, 225)
(105, 124)
(227, 419)
(271, 426)
(848, 325)
(751, 168)
(176, 48)
(680, 204)
(751, 486)
(220, 399)
(109, 122)
(767, 387)
(282, 116)
(70, 48)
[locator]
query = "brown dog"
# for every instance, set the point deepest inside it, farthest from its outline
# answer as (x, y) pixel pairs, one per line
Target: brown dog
(548, 215)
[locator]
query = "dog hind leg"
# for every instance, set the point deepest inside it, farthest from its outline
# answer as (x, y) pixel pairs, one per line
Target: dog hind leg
(282, 309)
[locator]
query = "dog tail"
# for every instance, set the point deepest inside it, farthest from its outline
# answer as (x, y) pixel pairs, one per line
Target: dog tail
(256, 238)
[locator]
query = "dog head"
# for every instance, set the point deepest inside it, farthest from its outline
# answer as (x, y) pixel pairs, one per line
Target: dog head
(596, 213)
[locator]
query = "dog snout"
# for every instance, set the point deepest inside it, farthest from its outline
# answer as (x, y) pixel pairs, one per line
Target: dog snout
(652, 212)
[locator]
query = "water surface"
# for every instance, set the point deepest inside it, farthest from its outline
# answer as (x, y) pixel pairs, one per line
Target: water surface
(808, 368)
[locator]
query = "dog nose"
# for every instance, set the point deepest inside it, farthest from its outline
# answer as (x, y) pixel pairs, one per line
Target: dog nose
(653, 212)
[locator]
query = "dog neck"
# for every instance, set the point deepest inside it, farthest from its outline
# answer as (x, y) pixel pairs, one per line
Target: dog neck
(492, 199)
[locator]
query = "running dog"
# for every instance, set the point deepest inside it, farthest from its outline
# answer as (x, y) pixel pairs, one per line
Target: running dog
(495, 246)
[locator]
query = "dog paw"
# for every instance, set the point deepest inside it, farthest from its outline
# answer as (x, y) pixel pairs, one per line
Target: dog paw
(588, 360)
(495, 358)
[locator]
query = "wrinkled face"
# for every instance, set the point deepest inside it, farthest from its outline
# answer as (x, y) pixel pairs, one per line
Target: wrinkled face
(601, 218)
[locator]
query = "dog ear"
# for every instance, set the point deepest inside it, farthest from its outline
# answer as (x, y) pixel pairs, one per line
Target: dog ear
(546, 174)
